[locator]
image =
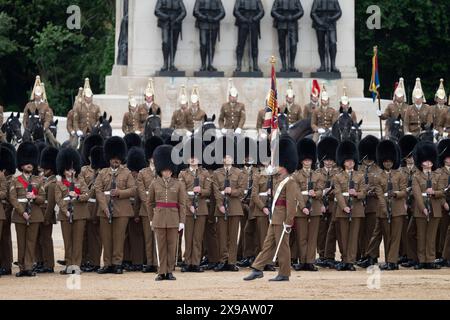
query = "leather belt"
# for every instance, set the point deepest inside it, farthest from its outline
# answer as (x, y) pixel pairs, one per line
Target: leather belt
(167, 205)
(22, 200)
(92, 200)
(305, 193)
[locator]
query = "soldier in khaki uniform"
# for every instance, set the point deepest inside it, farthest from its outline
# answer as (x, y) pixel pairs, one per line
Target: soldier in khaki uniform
(228, 220)
(429, 202)
(367, 153)
(8, 168)
(293, 110)
(94, 162)
(131, 120)
(390, 187)
(440, 109)
(419, 114)
(27, 222)
(149, 106)
(408, 246)
(328, 228)
(143, 182)
(344, 106)
(70, 126)
(350, 191)
(307, 220)
(197, 114)
(114, 187)
(71, 195)
(182, 118)
(134, 251)
(283, 209)
(309, 108)
(45, 241)
(232, 113)
(396, 108)
(196, 212)
(86, 113)
(167, 211)
(323, 117)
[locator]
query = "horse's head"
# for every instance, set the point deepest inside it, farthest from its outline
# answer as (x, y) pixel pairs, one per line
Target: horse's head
(283, 122)
(13, 129)
(153, 124)
(344, 124)
(356, 132)
(208, 123)
(427, 133)
(54, 127)
(395, 128)
(35, 128)
(103, 127)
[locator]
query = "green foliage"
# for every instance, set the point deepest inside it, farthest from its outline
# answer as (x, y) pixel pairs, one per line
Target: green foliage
(7, 45)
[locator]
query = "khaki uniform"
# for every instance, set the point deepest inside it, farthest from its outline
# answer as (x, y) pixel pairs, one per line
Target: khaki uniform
(232, 116)
(307, 227)
(258, 203)
(26, 235)
(73, 234)
(393, 110)
(182, 120)
(371, 205)
(443, 122)
(294, 112)
(211, 241)
(143, 182)
(438, 112)
(426, 231)
(323, 118)
(92, 247)
(392, 232)
(134, 248)
(260, 119)
(349, 230)
(228, 229)
(44, 248)
(285, 210)
(113, 235)
(415, 118)
(195, 228)
(143, 110)
(445, 220)
(45, 113)
(6, 251)
(131, 123)
(198, 117)
(167, 209)
(70, 126)
(85, 117)
(308, 110)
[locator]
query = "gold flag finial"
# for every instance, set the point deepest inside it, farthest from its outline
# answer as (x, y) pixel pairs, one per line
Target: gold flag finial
(273, 60)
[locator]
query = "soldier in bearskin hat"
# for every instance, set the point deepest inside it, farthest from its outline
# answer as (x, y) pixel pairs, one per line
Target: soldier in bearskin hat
(3, 194)
(71, 195)
(114, 187)
(167, 211)
(143, 182)
(198, 186)
(428, 189)
(307, 219)
(328, 228)
(26, 195)
(350, 191)
(282, 214)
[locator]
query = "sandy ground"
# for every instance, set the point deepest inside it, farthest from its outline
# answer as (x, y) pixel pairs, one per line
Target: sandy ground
(325, 284)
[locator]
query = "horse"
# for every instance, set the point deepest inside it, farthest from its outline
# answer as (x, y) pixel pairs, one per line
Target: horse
(395, 132)
(301, 129)
(13, 129)
(427, 133)
(103, 127)
(153, 124)
(345, 129)
(34, 131)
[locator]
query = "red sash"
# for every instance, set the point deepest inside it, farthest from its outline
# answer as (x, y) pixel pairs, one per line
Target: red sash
(167, 205)
(67, 184)
(25, 185)
(280, 203)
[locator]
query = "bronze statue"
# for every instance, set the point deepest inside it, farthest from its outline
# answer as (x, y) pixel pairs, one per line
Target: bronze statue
(122, 56)
(324, 14)
(208, 13)
(170, 15)
(286, 14)
(248, 15)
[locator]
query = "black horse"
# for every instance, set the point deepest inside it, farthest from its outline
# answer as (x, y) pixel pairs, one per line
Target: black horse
(34, 131)
(427, 133)
(103, 127)
(395, 132)
(54, 127)
(345, 129)
(301, 129)
(13, 129)
(153, 124)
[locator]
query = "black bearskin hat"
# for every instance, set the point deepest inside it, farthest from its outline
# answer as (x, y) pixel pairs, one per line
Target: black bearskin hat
(132, 140)
(67, 159)
(27, 153)
(345, 151)
(162, 157)
(90, 142)
(388, 150)
(48, 159)
(326, 149)
(307, 149)
(98, 158)
(247, 148)
(7, 160)
(115, 148)
(151, 144)
(425, 151)
(136, 159)
(443, 151)
(287, 151)
(368, 148)
(407, 144)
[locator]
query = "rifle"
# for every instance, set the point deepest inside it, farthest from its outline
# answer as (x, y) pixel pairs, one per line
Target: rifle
(111, 202)
(428, 199)
(249, 187)
(409, 199)
(325, 200)
(226, 196)
(309, 201)
(351, 185)
(28, 208)
(269, 200)
(70, 205)
(389, 198)
(195, 200)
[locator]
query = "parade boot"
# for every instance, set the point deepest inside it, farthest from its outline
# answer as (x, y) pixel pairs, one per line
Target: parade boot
(149, 269)
(409, 264)
(25, 273)
(333, 53)
(350, 267)
(419, 266)
(118, 269)
(311, 267)
(203, 58)
(269, 267)
(220, 267)
(280, 278)
(256, 274)
(160, 277)
(232, 267)
(170, 276)
(368, 262)
(106, 270)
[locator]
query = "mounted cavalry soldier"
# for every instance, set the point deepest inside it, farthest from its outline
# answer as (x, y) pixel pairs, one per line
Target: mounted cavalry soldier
(396, 108)
(131, 120)
(323, 117)
(290, 108)
(197, 114)
(182, 117)
(232, 113)
(418, 115)
(440, 109)
(86, 113)
(314, 101)
(149, 106)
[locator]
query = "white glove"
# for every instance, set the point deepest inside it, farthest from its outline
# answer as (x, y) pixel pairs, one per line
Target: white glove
(445, 134)
(72, 133)
(188, 134)
(379, 113)
(181, 227)
(196, 131)
(290, 126)
(138, 132)
(435, 132)
(151, 223)
(79, 133)
(238, 131)
(224, 131)
(321, 130)
(263, 135)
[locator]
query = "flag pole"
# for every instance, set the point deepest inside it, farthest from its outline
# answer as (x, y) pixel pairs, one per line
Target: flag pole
(375, 50)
